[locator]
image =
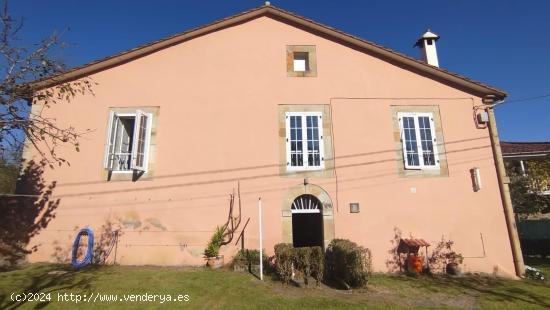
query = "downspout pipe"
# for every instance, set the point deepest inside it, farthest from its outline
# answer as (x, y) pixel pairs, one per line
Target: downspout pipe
(503, 181)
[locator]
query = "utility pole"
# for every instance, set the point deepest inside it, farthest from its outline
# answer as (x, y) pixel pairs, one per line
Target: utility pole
(503, 182)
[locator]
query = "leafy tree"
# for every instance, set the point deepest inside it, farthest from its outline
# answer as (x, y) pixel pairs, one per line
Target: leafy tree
(525, 190)
(24, 215)
(21, 65)
(8, 177)
(9, 171)
(539, 174)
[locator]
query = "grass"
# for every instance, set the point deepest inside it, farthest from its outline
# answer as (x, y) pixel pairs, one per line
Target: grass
(222, 289)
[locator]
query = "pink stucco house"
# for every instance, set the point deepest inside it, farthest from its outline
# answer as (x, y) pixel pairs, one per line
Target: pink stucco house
(340, 137)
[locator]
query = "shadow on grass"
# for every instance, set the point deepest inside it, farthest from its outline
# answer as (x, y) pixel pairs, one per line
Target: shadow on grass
(487, 287)
(43, 281)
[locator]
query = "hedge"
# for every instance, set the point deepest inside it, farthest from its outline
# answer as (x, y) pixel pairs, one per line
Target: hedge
(347, 262)
(309, 261)
(284, 257)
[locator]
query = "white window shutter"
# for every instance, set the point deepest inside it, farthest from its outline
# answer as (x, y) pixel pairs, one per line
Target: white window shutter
(434, 139)
(287, 127)
(140, 142)
(403, 141)
(321, 140)
(107, 163)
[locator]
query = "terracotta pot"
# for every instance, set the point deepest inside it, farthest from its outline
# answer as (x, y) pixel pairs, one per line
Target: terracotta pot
(452, 269)
(215, 262)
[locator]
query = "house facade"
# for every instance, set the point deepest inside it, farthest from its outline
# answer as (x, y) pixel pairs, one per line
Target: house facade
(338, 136)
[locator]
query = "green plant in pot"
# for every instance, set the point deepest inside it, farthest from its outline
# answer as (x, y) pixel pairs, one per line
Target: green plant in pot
(212, 251)
(445, 259)
(454, 260)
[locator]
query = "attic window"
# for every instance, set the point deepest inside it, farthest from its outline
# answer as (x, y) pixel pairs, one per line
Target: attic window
(301, 61)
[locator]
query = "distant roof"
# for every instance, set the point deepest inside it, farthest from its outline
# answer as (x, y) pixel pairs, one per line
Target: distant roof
(387, 54)
(518, 149)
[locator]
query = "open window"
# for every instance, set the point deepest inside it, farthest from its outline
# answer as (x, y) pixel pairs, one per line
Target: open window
(419, 140)
(304, 141)
(128, 142)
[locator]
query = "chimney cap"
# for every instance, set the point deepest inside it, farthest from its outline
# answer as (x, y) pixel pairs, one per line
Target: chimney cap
(426, 36)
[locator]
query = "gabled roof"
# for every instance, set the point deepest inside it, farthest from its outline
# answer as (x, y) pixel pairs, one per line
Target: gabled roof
(522, 149)
(386, 54)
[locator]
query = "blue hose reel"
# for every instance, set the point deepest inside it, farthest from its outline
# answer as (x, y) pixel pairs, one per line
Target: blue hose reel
(87, 260)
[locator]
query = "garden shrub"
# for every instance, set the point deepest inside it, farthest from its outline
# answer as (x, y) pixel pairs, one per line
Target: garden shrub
(442, 255)
(309, 261)
(533, 273)
(284, 257)
(317, 263)
(302, 262)
(347, 262)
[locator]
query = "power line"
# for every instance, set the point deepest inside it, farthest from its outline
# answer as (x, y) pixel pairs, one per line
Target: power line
(528, 98)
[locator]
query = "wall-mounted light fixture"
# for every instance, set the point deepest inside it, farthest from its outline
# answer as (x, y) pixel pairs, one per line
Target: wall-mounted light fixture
(354, 207)
(476, 179)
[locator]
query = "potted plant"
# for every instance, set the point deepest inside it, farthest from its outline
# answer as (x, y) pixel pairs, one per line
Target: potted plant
(453, 263)
(212, 251)
(445, 259)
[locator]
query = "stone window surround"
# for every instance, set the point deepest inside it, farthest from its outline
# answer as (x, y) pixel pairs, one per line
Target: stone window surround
(312, 60)
(443, 170)
(135, 175)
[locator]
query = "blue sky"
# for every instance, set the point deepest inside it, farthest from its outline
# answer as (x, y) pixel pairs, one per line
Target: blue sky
(502, 43)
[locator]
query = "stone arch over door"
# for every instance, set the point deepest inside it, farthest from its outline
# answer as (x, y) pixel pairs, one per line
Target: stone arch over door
(327, 211)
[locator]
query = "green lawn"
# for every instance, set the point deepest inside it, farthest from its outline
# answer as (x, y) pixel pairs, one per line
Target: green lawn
(223, 289)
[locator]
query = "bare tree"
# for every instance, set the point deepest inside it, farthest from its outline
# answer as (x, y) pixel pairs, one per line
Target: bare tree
(233, 221)
(20, 66)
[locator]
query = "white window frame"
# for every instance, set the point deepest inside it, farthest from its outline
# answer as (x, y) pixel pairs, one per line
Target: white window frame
(422, 165)
(305, 166)
(137, 120)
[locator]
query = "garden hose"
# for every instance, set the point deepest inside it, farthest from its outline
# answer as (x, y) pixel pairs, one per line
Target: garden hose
(77, 264)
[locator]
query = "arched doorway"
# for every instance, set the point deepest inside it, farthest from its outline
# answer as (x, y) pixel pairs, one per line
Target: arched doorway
(307, 221)
(326, 212)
